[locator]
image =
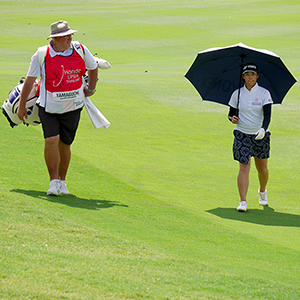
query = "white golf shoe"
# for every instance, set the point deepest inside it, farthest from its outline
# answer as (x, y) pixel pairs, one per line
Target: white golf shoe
(242, 206)
(263, 197)
(54, 187)
(63, 188)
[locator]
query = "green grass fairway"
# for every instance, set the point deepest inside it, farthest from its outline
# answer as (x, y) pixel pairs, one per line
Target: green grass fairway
(152, 210)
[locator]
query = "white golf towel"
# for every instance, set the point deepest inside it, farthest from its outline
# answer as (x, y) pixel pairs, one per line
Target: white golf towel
(95, 115)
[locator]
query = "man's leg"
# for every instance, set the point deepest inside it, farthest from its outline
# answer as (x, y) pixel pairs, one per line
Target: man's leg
(65, 157)
(52, 156)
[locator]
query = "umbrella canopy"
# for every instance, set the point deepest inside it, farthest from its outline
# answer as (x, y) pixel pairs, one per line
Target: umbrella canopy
(217, 72)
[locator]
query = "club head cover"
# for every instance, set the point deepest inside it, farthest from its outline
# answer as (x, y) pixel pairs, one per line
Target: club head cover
(102, 63)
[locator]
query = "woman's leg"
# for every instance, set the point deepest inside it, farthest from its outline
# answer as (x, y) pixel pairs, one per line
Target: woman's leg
(263, 172)
(243, 180)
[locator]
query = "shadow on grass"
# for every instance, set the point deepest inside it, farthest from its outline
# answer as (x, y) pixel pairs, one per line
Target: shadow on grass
(268, 216)
(70, 200)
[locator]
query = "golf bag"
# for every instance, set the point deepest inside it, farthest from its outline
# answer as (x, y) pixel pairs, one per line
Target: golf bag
(11, 105)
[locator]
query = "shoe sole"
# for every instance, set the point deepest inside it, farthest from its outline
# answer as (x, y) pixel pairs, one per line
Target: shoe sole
(241, 210)
(52, 193)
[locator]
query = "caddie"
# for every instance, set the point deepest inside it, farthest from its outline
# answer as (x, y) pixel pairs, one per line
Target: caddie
(61, 65)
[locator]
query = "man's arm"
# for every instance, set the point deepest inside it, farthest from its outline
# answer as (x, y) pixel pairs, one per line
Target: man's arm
(27, 87)
(93, 78)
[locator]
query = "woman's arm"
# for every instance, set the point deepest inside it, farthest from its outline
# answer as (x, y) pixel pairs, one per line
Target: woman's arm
(267, 116)
(232, 115)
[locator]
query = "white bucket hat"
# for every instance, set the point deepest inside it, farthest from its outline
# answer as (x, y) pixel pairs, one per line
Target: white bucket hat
(60, 28)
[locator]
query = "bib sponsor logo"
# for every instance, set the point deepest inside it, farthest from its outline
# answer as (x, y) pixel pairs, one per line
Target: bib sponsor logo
(67, 95)
(70, 76)
(77, 104)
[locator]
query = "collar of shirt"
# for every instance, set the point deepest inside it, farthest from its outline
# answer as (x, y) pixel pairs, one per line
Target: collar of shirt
(53, 53)
(253, 89)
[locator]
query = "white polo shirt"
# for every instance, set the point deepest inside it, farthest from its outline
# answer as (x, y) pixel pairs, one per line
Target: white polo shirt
(35, 70)
(250, 107)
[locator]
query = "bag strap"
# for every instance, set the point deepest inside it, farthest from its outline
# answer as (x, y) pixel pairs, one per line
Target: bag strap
(41, 54)
(78, 48)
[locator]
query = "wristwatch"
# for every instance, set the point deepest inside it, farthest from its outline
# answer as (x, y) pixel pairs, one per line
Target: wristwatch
(92, 91)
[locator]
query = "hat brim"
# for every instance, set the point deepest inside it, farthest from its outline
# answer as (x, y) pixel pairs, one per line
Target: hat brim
(64, 33)
(253, 71)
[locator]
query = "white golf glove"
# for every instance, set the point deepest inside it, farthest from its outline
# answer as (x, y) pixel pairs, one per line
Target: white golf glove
(102, 64)
(260, 134)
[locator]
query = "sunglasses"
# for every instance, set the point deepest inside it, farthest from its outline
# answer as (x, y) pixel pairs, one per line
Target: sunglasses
(68, 36)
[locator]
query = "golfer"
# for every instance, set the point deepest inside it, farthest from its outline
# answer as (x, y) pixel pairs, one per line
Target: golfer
(250, 110)
(61, 97)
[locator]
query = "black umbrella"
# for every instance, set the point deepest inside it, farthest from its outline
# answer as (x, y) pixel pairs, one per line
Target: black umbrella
(216, 72)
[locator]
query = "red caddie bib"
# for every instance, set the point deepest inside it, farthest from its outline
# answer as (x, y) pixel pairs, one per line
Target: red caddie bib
(63, 82)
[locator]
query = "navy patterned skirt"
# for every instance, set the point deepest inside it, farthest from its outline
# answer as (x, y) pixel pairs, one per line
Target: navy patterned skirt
(245, 146)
